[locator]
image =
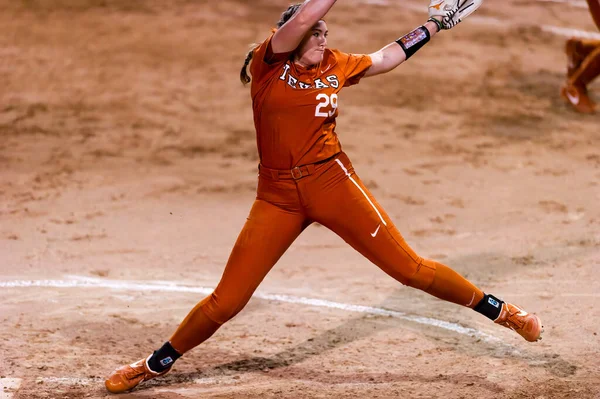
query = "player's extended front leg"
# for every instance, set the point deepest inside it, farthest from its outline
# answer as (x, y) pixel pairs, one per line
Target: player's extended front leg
(349, 209)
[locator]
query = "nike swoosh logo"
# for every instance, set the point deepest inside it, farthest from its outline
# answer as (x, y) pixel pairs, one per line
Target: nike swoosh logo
(376, 231)
(326, 69)
(573, 98)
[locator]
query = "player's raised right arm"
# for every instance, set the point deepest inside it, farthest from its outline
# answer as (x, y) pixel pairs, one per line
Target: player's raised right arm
(289, 36)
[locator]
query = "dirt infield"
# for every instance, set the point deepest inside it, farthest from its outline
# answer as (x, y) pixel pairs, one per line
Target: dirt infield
(128, 166)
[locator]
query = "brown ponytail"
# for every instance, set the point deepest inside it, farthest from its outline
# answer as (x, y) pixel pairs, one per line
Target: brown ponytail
(285, 16)
(244, 73)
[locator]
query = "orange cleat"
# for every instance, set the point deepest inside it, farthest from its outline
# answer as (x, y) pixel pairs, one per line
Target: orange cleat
(577, 96)
(526, 325)
(129, 376)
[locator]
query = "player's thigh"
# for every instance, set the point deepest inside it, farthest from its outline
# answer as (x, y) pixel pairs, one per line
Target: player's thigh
(350, 210)
(266, 235)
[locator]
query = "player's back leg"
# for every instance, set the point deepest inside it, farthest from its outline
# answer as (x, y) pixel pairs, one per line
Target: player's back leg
(350, 210)
(266, 235)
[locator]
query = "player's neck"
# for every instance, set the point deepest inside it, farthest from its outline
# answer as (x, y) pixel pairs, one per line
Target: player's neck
(304, 65)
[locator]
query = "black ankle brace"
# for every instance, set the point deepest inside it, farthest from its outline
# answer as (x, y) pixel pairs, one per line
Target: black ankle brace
(489, 306)
(163, 358)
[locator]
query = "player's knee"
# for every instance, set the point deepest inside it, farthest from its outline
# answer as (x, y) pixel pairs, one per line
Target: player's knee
(423, 277)
(220, 310)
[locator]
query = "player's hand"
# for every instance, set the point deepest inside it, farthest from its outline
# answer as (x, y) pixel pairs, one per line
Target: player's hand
(452, 12)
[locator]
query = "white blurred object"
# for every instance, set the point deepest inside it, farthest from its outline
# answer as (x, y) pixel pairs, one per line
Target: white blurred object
(572, 3)
(453, 12)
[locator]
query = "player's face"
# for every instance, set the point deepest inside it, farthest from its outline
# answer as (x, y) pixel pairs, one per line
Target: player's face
(310, 51)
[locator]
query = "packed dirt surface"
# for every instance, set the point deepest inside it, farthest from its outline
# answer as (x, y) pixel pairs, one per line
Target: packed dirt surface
(128, 166)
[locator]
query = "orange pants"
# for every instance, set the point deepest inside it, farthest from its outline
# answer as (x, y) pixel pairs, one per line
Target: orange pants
(331, 194)
(595, 11)
(586, 54)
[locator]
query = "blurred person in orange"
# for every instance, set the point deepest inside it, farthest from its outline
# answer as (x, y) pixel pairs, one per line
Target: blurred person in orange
(583, 67)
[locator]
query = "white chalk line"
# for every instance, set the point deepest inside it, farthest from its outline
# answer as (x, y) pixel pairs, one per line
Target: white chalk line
(551, 294)
(567, 32)
(572, 3)
(487, 21)
(8, 386)
(88, 282)
(71, 381)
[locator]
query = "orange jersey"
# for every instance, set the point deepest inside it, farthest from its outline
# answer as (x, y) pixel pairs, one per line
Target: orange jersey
(295, 107)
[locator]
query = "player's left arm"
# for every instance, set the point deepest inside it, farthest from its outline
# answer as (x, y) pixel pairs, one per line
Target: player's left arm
(395, 54)
(443, 14)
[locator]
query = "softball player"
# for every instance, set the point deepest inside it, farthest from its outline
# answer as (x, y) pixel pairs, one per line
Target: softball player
(305, 177)
(583, 67)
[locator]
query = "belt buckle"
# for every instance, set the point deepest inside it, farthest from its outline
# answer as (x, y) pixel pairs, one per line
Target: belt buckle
(296, 176)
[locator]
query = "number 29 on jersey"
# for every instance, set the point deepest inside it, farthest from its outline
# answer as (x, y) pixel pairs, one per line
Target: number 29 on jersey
(326, 102)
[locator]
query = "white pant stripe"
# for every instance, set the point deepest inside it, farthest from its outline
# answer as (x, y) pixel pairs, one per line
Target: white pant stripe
(361, 190)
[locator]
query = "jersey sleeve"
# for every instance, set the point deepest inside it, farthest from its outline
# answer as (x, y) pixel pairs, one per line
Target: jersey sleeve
(265, 62)
(354, 65)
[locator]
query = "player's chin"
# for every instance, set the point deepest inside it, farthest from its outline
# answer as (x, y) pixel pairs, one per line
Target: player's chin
(318, 56)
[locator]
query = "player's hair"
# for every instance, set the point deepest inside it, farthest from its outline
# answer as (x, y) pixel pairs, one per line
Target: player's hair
(285, 16)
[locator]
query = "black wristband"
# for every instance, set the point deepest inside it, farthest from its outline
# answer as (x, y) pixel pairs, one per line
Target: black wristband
(413, 41)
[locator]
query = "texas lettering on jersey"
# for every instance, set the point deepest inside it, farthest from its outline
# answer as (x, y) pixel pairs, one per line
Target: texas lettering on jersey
(295, 107)
(292, 81)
